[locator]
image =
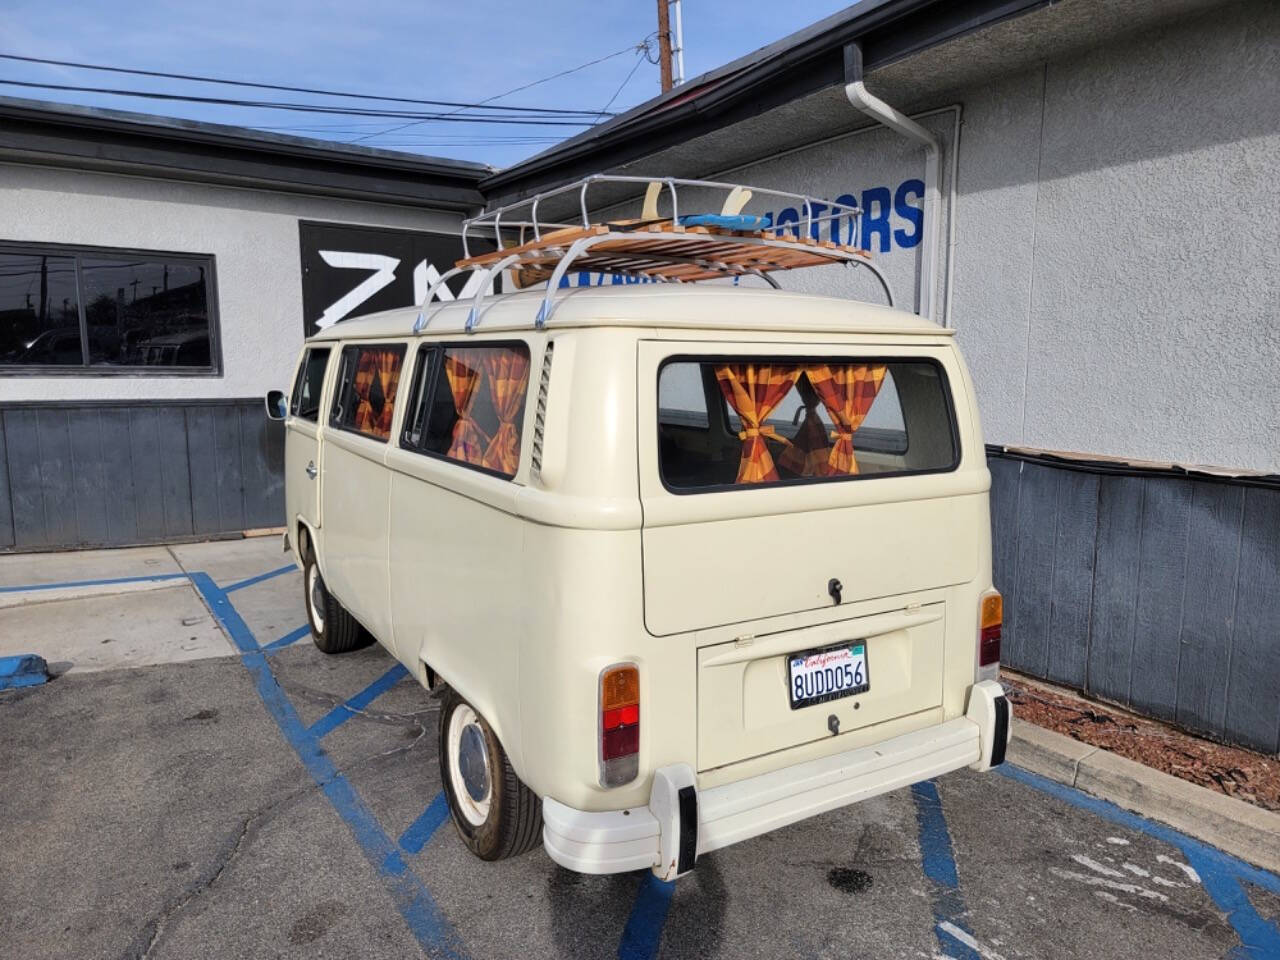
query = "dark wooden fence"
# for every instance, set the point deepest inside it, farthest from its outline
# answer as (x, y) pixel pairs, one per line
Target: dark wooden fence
(1155, 591)
(108, 474)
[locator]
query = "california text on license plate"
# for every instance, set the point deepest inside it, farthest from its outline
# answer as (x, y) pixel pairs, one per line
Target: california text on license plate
(817, 676)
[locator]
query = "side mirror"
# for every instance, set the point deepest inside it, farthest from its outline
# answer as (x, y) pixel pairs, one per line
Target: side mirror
(277, 408)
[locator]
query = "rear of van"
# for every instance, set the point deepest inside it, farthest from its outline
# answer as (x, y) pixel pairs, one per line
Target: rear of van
(815, 549)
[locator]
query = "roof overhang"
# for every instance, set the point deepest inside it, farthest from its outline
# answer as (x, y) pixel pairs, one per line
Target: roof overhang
(918, 55)
(88, 138)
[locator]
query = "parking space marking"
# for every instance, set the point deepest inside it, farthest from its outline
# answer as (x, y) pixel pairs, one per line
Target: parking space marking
(417, 834)
(69, 584)
(412, 898)
(939, 862)
(345, 711)
(1220, 873)
(643, 932)
(259, 578)
(293, 636)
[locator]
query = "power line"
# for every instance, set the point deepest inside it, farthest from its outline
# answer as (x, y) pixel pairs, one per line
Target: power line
(451, 117)
(555, 76)
(320, 92)
(641, 57)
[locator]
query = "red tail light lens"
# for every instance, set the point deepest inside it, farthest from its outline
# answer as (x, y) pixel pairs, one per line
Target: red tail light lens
(989, 624)
(619, 724)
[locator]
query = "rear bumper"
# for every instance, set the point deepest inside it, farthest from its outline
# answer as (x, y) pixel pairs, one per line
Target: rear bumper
(657, 837)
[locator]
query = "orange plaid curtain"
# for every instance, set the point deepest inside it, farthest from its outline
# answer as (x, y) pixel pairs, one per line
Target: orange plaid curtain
(810, 447)
(376, 380)
(754, 390)
(507, 370)
(463, 368)
(847, 390)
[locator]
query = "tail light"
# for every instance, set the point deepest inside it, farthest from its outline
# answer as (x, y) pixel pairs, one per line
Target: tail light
(619, 724)
(990, 620)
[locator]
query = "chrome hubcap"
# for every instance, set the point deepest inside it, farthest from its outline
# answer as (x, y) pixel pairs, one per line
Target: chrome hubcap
(315, 593)
(469, 765)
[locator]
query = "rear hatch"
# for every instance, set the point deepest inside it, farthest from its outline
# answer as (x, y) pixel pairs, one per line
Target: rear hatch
(740, 547)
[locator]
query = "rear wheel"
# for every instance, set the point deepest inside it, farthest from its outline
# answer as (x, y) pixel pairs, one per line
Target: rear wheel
(333, 629)
(497, 816)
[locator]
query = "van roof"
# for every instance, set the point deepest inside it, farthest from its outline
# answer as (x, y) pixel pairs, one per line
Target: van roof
(678, 306)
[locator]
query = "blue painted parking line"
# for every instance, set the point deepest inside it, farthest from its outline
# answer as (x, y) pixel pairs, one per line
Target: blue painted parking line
(259, 578)
(293, 636)
(68, 584)
(1220, 873)
(417, 834)
(414, 901)
(25, 670)
(938, 858)
(345, 711)
(643, 932)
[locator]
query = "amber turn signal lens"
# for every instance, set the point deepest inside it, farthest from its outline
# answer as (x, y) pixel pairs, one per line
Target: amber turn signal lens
(990, 622)
(619, 687)
(992, 610)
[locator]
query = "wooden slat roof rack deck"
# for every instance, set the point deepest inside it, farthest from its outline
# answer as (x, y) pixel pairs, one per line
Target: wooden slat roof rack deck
(666, 247)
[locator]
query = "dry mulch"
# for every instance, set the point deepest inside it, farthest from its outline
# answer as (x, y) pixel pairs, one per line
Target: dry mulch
(1239, 773)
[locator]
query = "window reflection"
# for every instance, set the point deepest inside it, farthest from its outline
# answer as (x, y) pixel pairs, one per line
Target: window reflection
(126, 311)
(146, 313)
(39, 313)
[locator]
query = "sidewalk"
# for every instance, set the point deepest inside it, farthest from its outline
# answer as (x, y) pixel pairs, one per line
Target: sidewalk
(1226, 796)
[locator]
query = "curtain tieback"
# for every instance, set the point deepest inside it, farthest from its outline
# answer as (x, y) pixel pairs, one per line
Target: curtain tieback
(837, 435)
(767, 432)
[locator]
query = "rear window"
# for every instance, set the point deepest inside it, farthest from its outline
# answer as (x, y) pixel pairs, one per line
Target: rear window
(751, 421)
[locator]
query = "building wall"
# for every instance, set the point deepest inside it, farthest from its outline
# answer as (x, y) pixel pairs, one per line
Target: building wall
(252, 234)
(111, 460)
(1115, 274)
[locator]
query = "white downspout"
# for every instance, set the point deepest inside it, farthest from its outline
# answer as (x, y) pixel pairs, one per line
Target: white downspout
(877, 109)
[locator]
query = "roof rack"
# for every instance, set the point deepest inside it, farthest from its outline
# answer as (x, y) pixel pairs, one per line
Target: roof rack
(666, 248)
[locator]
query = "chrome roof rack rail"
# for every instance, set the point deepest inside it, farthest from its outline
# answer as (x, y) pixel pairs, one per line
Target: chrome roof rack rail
(667, 247)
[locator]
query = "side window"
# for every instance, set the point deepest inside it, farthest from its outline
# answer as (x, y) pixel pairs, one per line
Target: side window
(306, 391)
(365, 399)
(468, 405)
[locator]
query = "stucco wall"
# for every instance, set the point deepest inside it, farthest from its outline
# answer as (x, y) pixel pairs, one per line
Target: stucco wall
(252, 234)
(1116, 275)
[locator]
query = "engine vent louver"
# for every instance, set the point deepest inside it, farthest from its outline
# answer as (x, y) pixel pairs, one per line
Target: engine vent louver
(540, 414)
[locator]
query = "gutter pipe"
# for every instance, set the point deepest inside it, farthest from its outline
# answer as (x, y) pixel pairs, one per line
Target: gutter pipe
(863, 100)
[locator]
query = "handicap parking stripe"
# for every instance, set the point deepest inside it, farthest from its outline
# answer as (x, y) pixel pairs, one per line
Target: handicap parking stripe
(1220, 873)
(345, 711)
(938, 859)
(110, 581)
(259, 578)
(292, 636)
(417, 834)
(412, 898)
(643, 932)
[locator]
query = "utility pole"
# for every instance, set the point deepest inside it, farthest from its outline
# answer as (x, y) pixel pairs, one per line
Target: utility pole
(664, 44)
(677, 44)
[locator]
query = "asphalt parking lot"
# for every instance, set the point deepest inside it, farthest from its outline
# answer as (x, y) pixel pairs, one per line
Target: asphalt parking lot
(258, 799)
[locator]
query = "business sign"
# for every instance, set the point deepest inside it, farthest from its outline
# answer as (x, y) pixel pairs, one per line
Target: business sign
(348, 271)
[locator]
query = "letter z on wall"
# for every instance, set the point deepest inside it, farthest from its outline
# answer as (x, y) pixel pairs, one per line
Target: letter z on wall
(348, 271)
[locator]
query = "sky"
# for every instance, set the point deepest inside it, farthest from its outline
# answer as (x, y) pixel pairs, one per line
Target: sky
(465, 52)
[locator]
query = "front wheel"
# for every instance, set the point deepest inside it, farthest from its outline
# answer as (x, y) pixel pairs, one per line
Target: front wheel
(497, 816)
(333, 629)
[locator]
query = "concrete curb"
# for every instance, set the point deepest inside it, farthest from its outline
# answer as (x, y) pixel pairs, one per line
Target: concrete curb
(1232, 825)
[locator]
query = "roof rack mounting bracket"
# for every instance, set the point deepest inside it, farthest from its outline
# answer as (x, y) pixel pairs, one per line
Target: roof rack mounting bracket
(491, 274)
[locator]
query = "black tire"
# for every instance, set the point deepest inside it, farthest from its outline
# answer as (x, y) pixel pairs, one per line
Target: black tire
(333, 629)
(513, 822)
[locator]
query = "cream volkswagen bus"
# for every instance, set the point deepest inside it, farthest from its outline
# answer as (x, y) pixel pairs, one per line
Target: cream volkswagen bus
(689, 562)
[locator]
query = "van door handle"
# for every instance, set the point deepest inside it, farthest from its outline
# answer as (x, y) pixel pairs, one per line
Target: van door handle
(311, 470)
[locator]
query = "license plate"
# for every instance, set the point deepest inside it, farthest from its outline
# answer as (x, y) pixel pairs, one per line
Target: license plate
(817, 676)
